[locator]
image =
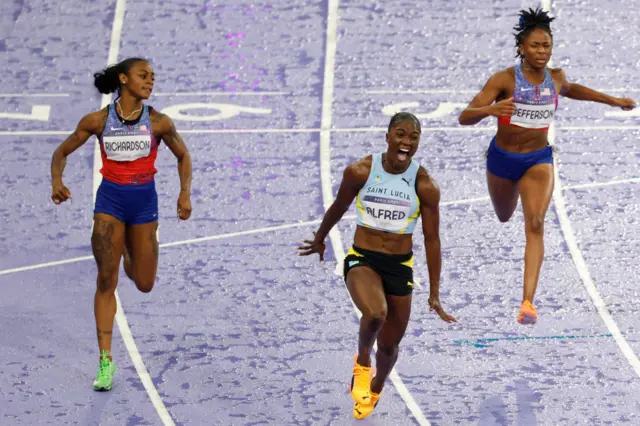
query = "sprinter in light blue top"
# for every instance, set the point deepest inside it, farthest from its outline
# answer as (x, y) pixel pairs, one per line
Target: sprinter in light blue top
(389, 202)
(390, 190)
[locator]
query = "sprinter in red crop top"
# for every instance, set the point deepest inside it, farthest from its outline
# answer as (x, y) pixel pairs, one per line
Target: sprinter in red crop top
(519, 158)
(126, 205)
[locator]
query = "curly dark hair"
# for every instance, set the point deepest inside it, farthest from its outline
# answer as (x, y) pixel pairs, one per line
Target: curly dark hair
(531, 20)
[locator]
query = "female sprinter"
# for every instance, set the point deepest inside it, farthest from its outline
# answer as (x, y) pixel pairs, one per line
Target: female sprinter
(126, 207)
(520, 159)
(391, 190)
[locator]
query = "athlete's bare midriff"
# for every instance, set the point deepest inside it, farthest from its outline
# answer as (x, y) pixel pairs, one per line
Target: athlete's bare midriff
(519, 139)
(382, 241)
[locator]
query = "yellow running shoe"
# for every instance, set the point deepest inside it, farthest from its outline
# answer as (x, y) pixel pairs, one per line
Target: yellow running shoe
(360, 411)
(360, 382)
(528, 313)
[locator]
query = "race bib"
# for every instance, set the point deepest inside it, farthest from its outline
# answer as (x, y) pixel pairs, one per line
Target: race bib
(128, 147)
(391, 214)
(533, 116)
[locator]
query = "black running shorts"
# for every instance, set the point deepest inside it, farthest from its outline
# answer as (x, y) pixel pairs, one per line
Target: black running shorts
(396, 270)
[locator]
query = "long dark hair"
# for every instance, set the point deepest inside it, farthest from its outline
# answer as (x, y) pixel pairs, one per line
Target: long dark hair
(107, 81)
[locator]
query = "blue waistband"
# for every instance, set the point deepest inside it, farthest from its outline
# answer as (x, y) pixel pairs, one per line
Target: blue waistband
(495, 146)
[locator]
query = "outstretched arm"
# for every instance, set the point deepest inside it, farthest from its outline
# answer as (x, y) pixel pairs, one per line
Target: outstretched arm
(481, 106)
(353, 179)
(170, 136)
(429, 195)
(90, 124)
(582, 93)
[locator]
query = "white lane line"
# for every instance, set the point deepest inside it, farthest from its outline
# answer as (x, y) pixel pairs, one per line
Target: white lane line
(633, 113)
(283, 93)
(421, 91)
(45, 265)
(603, 127)
(454, 91)
(581, 265)
(222, 94)
(34, 95)
(173, 244)
(578, 259)
(601, 184)
(35, 132)
(241, 233)
(320, 130)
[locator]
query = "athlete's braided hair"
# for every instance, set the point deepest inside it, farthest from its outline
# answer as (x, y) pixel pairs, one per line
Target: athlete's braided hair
(107, 81)
(402, 116)
(529, 21)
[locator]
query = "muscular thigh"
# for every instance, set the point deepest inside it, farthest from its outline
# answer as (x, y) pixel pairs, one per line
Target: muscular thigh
(366, 290)
(504, 195)
(142, 245)
(536, 189)
(107, 242)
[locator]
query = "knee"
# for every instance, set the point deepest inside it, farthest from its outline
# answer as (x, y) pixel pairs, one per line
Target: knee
(375, 317)
(504, 214)
(145, 285)
(107, 282)
(388, 350)
(502, 217)
(535, 224)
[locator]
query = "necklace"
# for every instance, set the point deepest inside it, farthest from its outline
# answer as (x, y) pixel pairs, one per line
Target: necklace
(122, 112)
